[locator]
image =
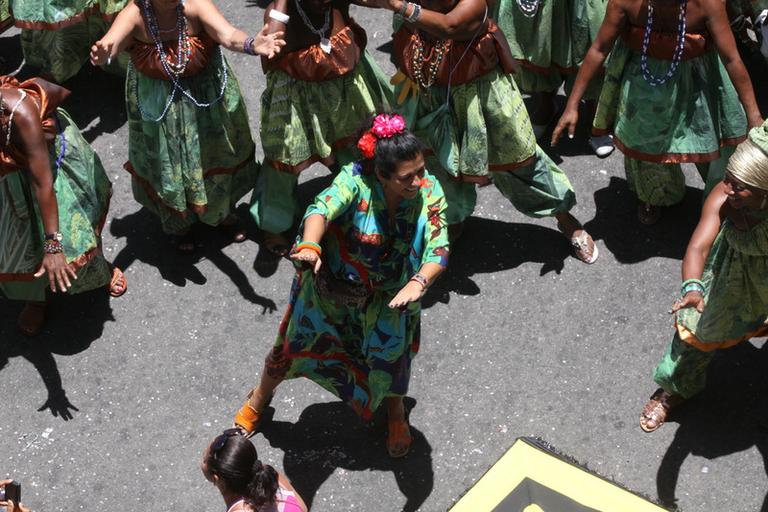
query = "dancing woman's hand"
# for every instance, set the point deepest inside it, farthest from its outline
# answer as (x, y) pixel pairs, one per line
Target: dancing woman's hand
(309, 258)
(267, 44)
(101, 53)
(567, 122)
(690, 300)
(58, 270)
(411, 292)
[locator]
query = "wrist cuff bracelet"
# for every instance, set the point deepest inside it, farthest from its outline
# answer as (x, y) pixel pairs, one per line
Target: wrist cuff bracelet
(279, 16)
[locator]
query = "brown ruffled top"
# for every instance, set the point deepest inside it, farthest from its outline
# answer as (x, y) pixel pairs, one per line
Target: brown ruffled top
(662, 45)
(488, 51)
(312, 64)
(146, 60)
(48, 97)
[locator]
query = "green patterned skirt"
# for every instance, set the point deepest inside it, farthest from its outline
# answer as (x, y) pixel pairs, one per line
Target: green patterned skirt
(552, 44)
(305, 122)
(57, 36)
(687, 119)
(82, 193)
(6, 21)
(196, 163)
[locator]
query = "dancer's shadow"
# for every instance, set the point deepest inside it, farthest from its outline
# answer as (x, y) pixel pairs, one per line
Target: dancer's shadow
(330, 436)
(93, 82)
(488, 246)
(10, 54)
(729, 417)
(146, 242)
(72, 324)
(616, 224)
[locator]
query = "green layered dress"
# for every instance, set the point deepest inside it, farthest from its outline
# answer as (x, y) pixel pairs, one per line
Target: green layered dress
(478, 130)
(82, 195)
(188, 163)
(311, 111)
(57, 35)
(6, 20)
(736, 298)
(695, 117)
(552, 44)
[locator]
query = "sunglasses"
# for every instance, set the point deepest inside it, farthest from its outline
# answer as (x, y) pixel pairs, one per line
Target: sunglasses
(221, 440)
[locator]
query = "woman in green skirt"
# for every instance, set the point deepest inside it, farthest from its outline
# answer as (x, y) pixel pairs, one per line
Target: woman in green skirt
(675, 91)
(455, 88)
(724, 295)
(54, 197)
(190, 150)
(56, 36)
(320, 89)
(550, 39)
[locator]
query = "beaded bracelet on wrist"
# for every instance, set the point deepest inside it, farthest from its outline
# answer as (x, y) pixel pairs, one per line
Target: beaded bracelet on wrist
(403, 10)
(248, 46)
(52, 247)
(691, 285)
(421, 279)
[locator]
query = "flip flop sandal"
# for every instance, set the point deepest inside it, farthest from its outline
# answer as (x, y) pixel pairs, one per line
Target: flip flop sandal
(248, 419)
(581, 247)
(118, 279)
(398, 438)
(31, 319)
(234, 229)
(185, 244)
(657, 409)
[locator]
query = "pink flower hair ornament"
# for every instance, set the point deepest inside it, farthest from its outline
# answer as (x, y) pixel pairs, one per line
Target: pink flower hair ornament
(384, 127)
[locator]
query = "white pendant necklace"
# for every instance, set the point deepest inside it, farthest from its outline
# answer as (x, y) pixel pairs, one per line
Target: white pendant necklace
(325, 43)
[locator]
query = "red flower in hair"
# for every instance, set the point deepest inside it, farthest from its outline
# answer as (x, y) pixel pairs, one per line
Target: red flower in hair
(367, 145)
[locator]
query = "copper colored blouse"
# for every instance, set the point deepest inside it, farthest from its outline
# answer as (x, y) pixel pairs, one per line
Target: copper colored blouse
(146, 59)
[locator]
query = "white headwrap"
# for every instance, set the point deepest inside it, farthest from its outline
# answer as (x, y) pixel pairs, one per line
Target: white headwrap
(749, 163)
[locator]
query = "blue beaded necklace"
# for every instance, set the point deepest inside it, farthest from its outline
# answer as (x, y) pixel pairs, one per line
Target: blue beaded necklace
(174, 71)
(529, 8)
(677, 56)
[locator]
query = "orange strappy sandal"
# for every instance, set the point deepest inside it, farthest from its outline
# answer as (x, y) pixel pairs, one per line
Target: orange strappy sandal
(248, 419)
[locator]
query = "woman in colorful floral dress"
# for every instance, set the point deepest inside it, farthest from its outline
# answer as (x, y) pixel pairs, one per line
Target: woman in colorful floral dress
(724, 295)
(190, 150)
(320, 89)
(54, 197)
(675, 91)
(371, 244)
(549, 38)
(56, 36)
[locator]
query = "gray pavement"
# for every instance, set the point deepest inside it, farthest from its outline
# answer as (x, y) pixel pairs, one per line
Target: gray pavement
(519, 339)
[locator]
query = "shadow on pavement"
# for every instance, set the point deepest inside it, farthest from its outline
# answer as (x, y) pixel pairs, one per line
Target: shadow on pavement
(729, 416)
(488, 246)
(330, 436)
(72, 324)
(146, 242)
(10, 54)
(630, 241)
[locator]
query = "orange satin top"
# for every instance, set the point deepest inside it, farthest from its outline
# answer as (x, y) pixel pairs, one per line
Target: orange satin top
(146, 60)
(662, 45)
(312, 64)
(48, 97)
(488, 51)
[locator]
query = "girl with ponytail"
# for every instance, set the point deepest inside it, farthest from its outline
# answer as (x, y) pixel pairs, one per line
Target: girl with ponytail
(231, 463)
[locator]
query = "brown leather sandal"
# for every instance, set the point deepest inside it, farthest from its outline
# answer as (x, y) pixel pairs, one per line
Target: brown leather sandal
(398, 438)
(118, 285)
(657, 409)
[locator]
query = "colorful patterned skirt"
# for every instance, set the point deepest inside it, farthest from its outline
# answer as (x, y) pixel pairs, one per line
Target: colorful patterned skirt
(360, 354)
(687, 119)
(6, 21)
(736, 298)
(57, 36)
(82, 193)
(552, 44)
(196, 163)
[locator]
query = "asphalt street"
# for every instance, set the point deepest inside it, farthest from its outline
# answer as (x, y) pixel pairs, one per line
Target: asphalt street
(519, 339)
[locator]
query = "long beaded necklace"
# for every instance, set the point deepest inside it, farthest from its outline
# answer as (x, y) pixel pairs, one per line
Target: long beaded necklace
(175, 72)
(677, 56)
(529, 8)
(325, 43)
(417, 60)
(9, 124)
